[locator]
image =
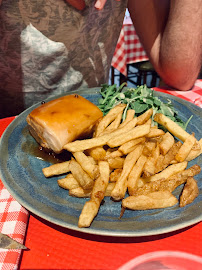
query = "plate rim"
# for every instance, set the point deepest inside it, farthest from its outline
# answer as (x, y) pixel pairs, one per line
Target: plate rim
(90, 230)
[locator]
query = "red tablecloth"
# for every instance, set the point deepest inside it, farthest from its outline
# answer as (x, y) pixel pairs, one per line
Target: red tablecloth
(54, 247)
(128, 49)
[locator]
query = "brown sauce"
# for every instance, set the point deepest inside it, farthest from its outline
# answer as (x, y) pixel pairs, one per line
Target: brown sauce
(32, 148)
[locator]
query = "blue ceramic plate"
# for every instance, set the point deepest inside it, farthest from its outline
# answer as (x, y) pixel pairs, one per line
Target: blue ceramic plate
(21, 173)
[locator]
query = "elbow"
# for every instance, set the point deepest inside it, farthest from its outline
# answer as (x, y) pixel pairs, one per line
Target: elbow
(185, 86)
(179, 79)
(181, 83)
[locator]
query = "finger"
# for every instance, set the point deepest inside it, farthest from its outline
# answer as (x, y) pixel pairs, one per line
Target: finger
(99, 4)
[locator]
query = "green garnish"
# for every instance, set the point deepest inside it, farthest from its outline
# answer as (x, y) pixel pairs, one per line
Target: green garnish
(139, 99)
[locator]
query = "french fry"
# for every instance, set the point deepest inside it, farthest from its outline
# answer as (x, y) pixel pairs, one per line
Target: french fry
(190, 192)
(82, 193)
(130, 145)
(196, 146)
(81, 145)
(169, 184)
(170, 155)
(141, 182)
(150, 164)
(109, 189)
(114, 125)
(79, 192)
(88, 213)
(107, 119)
(144, 117)
(182, 176)
(154, 200)
(109, 151)
(173, 162)
(194, 153)
(101, 182)
(156, 152)
(158, 139)
(155, 132)
(136, 132)
(92, 160)
(163, 161)
(128, 126)
(56, 169)
(160, 164)
(120, 188)
(89, 167)
(169, 171)
(129, 116)
(148, 122)
(135, 174)
(91, 207)
(185, 148)
(114, 154)
(166, 143)
(171, 126)
(115, 175)
(97, 153)
(149, 167)
(116, 163)
(69, 182)
(80, 175)
(149, 146)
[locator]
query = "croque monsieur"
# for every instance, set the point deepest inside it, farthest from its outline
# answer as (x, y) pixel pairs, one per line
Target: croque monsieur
(57, 122)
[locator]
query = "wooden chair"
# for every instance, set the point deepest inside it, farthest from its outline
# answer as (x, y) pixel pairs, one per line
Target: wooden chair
(143, 70)
(137, 74)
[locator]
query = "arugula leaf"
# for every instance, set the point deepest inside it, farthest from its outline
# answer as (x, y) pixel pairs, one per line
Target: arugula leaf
(139, 107)
(140, 99)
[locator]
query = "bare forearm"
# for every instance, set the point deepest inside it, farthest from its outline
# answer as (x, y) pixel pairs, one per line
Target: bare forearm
(170, 32)
(181, 44)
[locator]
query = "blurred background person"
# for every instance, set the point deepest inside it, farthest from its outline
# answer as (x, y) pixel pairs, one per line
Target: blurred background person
(49, 47)
(171, 34)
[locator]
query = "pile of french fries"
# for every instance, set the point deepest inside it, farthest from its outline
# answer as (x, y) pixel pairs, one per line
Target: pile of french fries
(130, 160)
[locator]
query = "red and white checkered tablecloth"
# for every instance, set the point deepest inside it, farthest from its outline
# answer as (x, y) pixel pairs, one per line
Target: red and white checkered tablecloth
(13, 220)
(193, 96)
(128, 49)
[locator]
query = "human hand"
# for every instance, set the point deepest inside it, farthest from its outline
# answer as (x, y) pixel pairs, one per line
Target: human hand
(99, 4)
